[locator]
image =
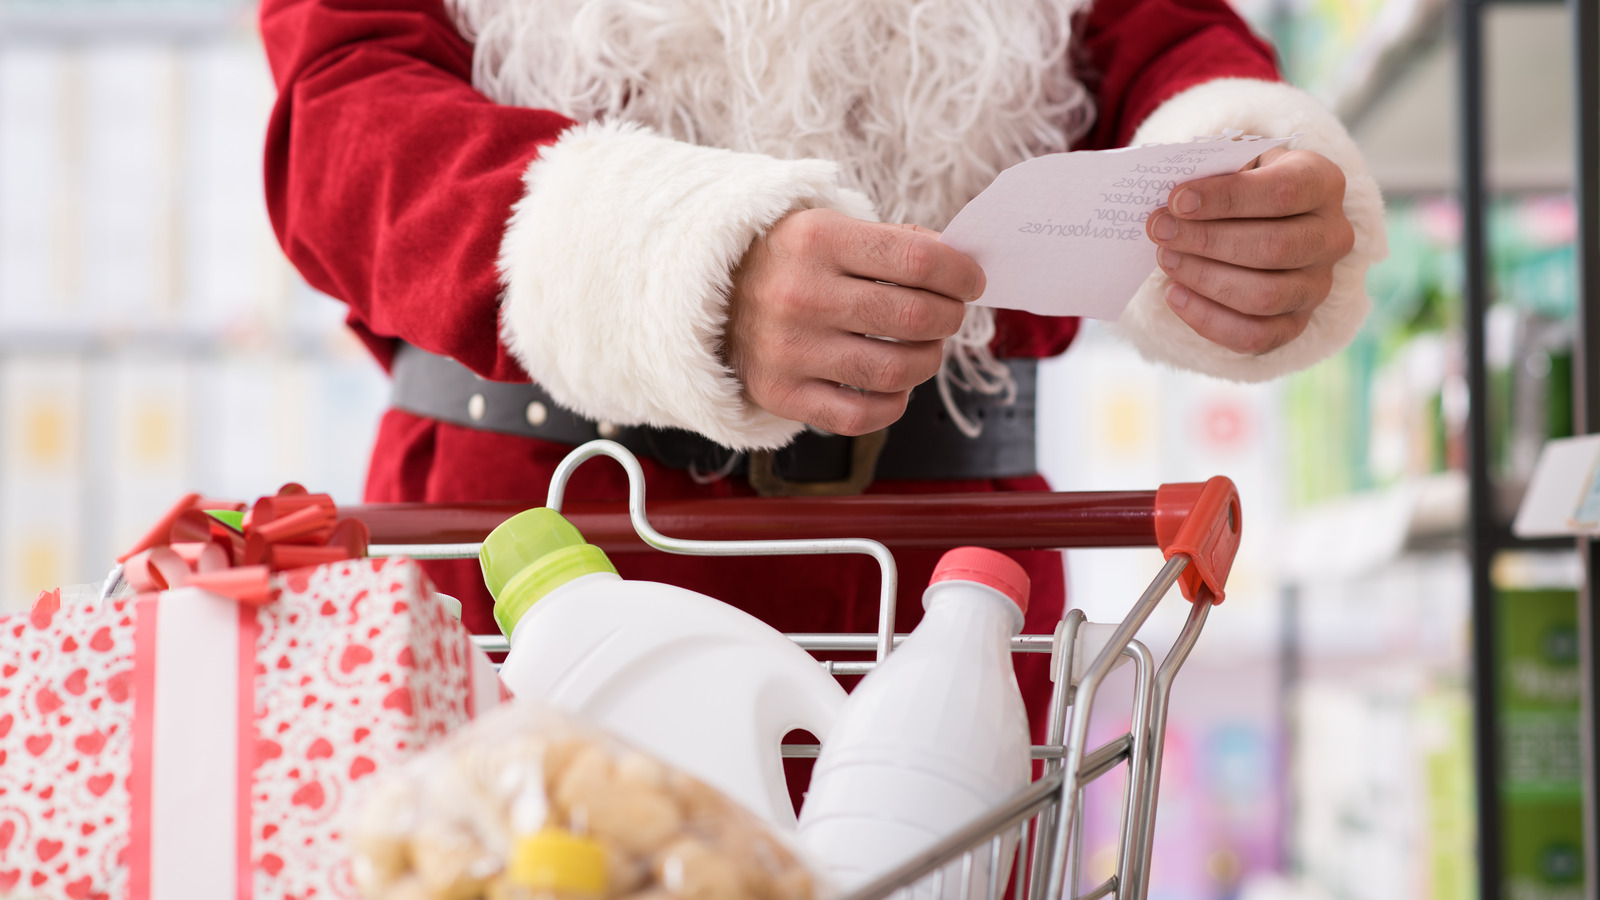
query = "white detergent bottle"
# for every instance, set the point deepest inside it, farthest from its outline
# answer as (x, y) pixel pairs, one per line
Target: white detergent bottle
(932, 738)
(703, 686)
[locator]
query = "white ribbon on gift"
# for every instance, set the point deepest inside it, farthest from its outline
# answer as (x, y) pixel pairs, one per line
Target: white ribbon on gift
(194, 744)
(191, 778)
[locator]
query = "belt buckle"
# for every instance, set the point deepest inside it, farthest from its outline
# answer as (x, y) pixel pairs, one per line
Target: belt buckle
(864, 452)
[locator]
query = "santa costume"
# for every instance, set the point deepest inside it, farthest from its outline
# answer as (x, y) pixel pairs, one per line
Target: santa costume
(559, 190)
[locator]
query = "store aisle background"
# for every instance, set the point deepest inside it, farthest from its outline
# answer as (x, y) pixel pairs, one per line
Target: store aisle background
(154, 341)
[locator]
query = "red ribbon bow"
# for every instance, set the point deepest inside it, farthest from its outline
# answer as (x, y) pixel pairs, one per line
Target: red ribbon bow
(290, 530)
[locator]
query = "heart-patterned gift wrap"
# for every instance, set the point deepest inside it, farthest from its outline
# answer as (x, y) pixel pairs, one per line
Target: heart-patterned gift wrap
(188, 745)
(66, 714)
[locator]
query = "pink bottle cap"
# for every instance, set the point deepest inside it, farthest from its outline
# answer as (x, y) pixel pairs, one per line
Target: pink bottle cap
(987, 567)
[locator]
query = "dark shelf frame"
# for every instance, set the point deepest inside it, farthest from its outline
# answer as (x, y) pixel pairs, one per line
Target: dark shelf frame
(1486, 536)
(1585, 16)
(1483, 535)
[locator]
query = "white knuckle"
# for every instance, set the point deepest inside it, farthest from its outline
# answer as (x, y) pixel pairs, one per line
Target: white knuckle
(1278, 248)
(808, 232)
(950, 323)
(789, 345)
(1223, 204)
(1344, 239)
(1336, 182)
(1222, 244)
(917, 261)
(852, 420)
(912, 318)
(891, 374)
(1285, 192)
(1251, 295)
(789, 297)
(1262, 340)
(1321, 286)
(783, 395)
(1263, 297)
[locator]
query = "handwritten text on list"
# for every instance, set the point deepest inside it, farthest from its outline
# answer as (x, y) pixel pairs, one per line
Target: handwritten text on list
(1063, 235)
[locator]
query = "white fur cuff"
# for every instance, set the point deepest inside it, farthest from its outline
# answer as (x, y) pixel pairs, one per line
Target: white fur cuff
(1272, 110)
(617, 265)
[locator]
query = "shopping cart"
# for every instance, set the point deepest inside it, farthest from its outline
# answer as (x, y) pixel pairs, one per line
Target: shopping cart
(1197, 527)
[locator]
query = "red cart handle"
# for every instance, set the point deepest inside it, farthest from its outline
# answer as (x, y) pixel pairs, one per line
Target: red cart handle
(1003, 521)
(1203, 521)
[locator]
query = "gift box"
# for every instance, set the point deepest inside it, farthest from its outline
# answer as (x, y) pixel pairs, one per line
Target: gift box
(184, 744)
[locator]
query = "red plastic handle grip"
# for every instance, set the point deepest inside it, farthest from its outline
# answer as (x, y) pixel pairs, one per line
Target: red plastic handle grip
(1204, 521)
(1014, 521)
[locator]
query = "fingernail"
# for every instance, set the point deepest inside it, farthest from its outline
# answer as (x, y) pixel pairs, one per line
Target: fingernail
(1165, 227)
(1177, 296)
(1168, 259)
(1186, 202)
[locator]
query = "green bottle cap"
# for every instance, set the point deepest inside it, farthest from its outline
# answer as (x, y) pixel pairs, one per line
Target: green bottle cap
(531, 554)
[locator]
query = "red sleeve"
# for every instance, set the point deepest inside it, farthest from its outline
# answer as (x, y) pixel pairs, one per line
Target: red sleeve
(389, 179)
(1137, 54)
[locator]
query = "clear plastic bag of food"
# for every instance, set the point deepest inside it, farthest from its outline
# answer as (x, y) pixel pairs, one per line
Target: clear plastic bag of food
(529, 802)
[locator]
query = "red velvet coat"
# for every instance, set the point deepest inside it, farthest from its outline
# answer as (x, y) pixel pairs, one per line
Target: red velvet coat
(390, 179)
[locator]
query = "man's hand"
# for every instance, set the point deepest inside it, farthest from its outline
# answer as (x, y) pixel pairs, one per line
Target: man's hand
(807, 295)
(1252, 253)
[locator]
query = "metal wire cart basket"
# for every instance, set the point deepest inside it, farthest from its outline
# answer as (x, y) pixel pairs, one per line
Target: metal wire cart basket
(1040, 829)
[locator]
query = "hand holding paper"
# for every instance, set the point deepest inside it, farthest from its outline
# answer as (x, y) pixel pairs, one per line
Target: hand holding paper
(810, 290)
(1065, 234)
(1251, 255)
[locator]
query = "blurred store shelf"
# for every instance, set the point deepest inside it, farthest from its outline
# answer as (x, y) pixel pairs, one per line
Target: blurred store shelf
(1352, 55)
(1405, 120)
(73, 21)
(1351, 536)
(181, 343)
(153, 341)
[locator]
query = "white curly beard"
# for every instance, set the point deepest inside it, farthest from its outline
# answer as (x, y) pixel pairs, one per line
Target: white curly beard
(922, 102)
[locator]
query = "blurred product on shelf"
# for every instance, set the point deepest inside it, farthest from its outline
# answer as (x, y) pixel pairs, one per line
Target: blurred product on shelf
(706, 687)
(1376, 584)
(1343, 51)
(530, 802)
(152, 338)
(1538, 684)
(931, 739)
(1392, 407)
(1382, 798)
(1383, 750)
(209, 722)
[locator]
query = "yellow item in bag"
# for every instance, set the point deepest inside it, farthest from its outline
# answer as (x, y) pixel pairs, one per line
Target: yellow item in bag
(557, 860)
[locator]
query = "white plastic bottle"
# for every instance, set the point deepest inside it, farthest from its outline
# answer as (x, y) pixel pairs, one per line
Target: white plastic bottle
(932, 738)
(704, 686)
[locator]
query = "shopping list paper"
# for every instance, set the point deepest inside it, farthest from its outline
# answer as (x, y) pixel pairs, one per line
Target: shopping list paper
(1063, 235)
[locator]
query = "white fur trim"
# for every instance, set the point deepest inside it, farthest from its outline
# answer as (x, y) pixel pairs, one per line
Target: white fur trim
(617, 266)
(1273, 110)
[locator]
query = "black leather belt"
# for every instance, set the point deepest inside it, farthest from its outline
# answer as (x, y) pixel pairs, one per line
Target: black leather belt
(923, 445)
